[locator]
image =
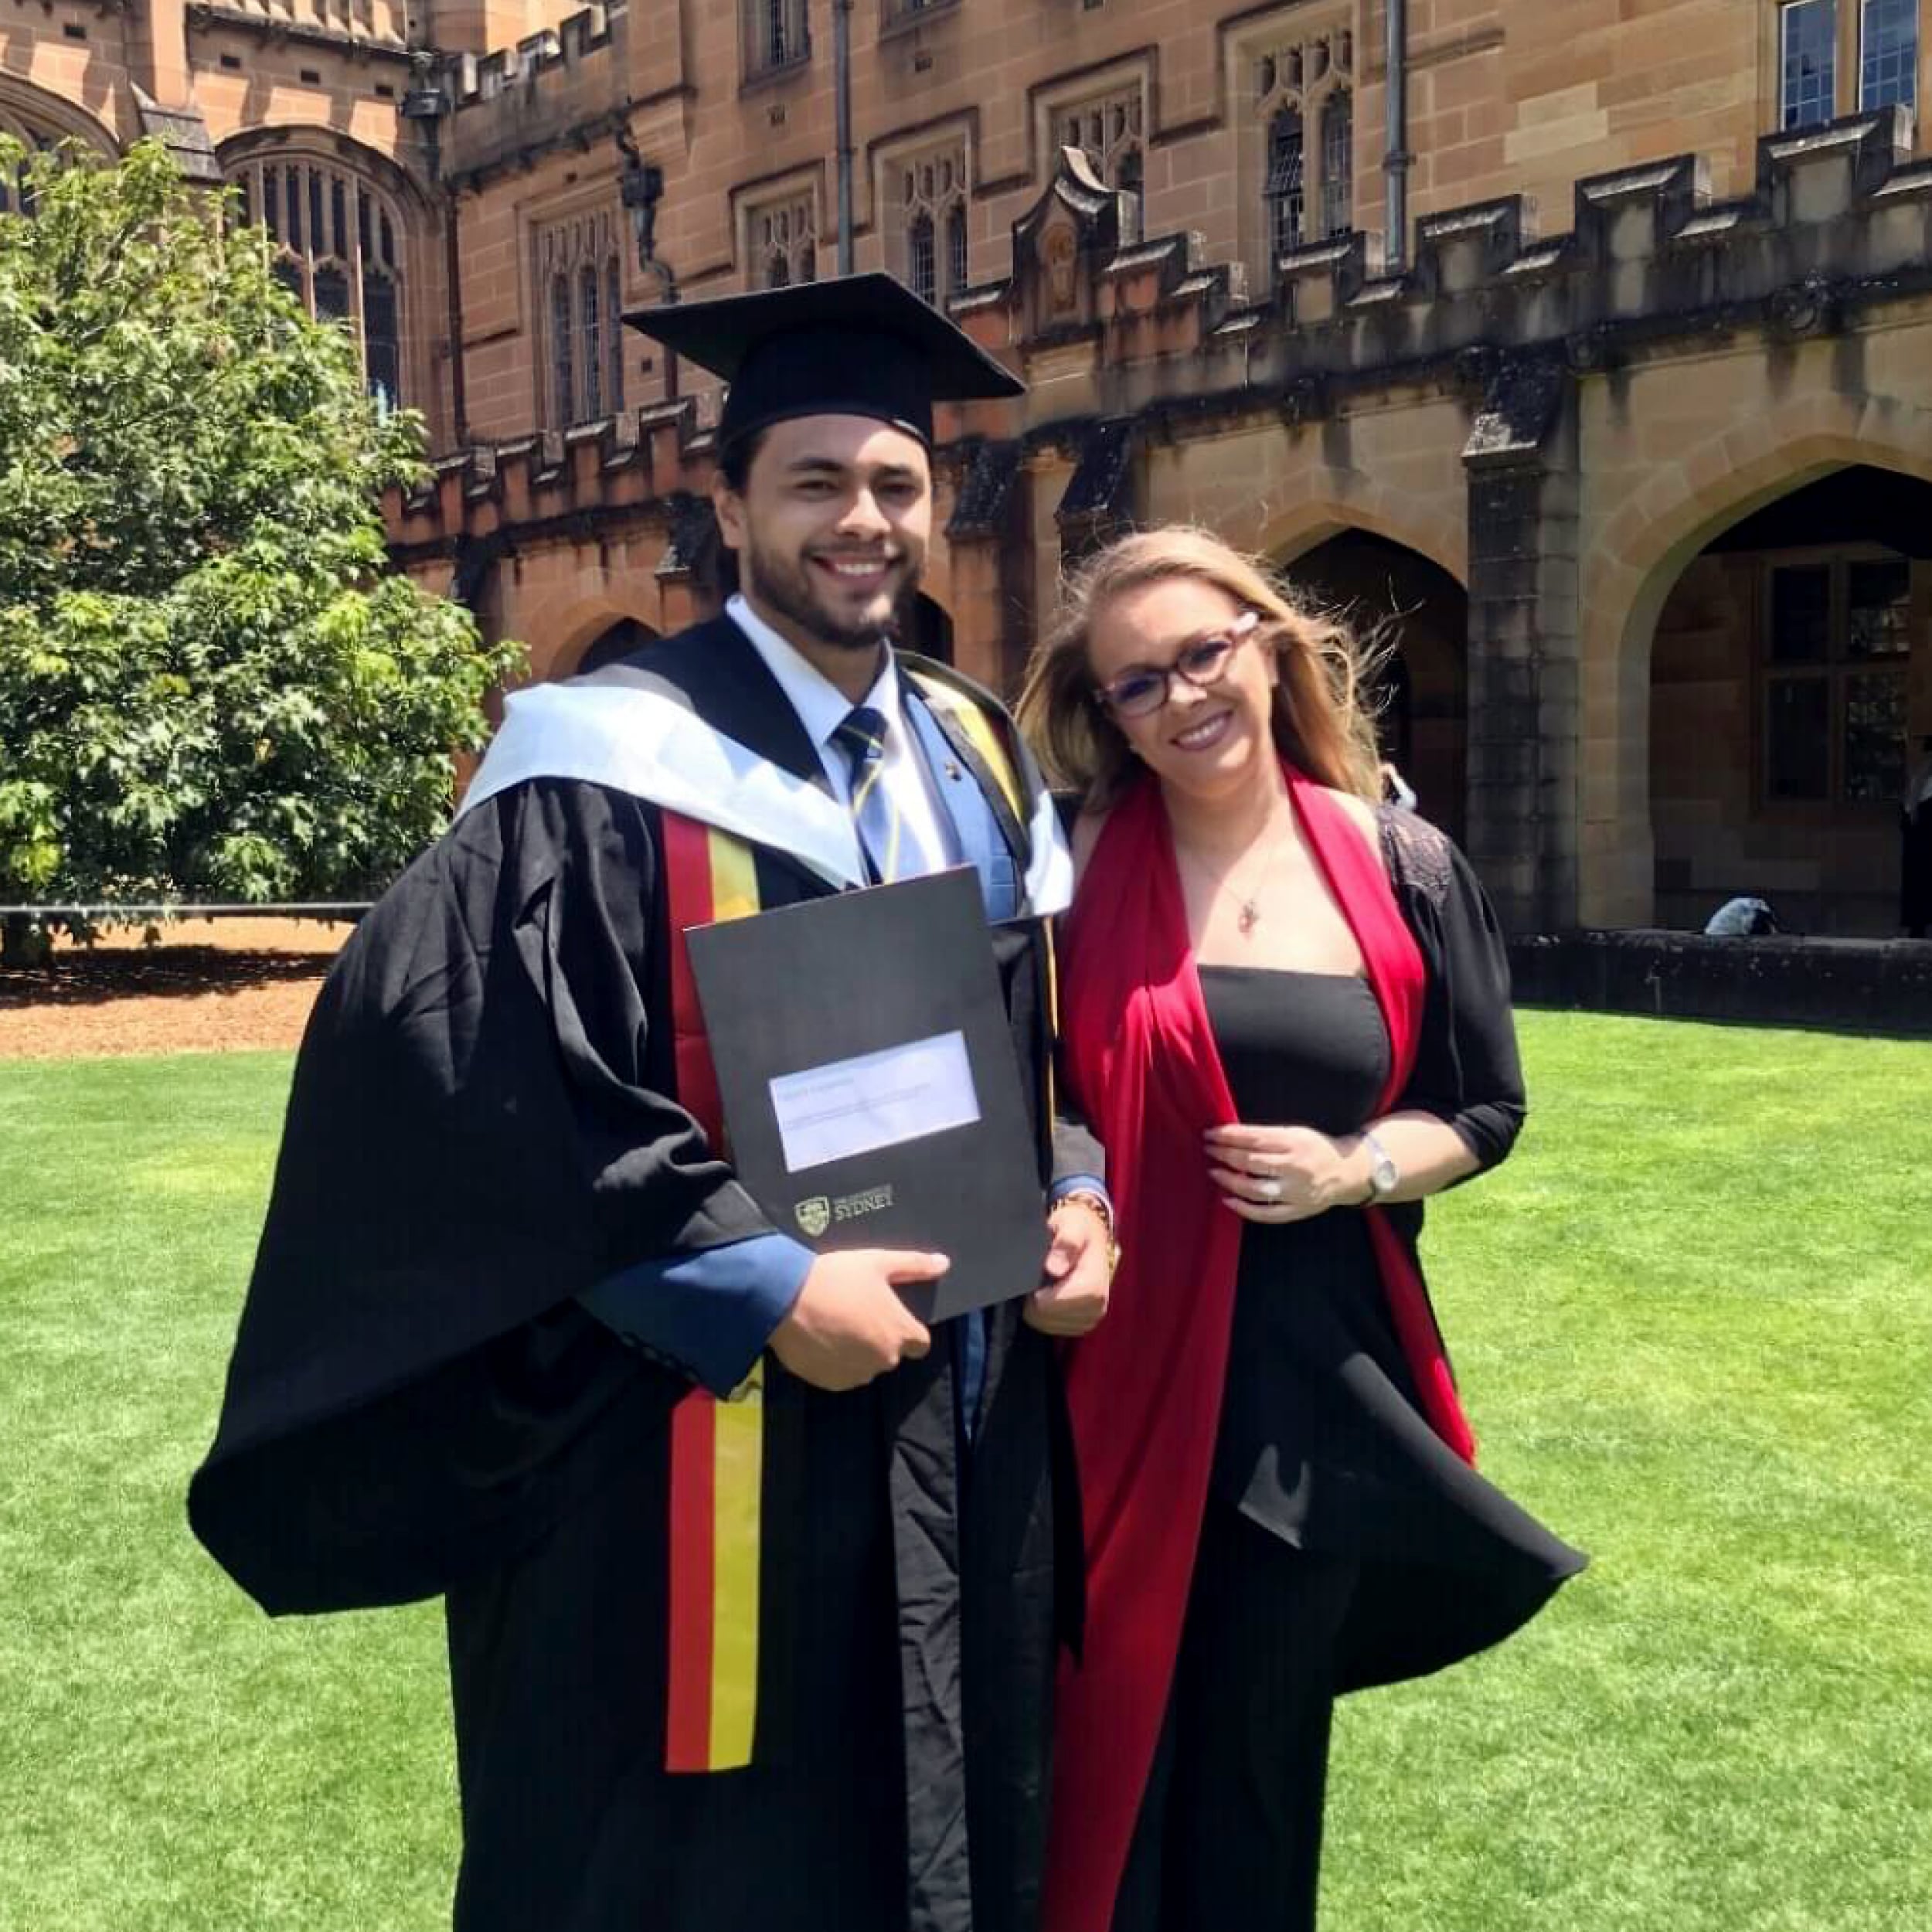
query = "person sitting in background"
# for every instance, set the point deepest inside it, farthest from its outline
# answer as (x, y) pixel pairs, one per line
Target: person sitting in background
(1741, 918)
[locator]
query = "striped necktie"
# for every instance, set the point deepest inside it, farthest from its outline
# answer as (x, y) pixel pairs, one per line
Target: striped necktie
(862, 736)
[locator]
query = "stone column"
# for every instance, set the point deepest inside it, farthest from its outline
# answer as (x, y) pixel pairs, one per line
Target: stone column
(991, 595)
(1524, 678)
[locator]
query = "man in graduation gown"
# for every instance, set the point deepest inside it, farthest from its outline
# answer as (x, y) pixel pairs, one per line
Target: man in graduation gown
(751, 1582)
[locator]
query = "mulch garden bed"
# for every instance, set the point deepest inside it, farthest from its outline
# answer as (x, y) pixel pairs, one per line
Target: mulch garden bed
(208, 986)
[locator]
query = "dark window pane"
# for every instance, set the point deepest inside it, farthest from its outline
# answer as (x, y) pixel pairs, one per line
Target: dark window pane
(1874, 734)
(381, 358)
(920, 266)
(956, 249)
(1889, 54)
(362, 225)
(614, 306)
(389, 244)
(1879, 612)
(289, 273)
(1338, 164)
(293, 180)
(1808, 62)
(1797, 760)
(1284, 183)
(562, 376)
(337, 205)
(1801, 613)
(592, 345)
(317, 244)
(332, 294)
(808, 262)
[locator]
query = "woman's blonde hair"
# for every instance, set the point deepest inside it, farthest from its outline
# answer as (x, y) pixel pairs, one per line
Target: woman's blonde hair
(1324, 714)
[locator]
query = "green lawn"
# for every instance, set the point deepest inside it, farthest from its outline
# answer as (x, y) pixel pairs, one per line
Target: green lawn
(1691, 1322)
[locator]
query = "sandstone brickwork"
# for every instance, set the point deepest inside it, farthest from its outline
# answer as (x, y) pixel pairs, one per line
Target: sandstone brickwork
(1625, 312)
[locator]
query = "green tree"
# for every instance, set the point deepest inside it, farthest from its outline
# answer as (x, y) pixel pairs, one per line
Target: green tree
(213, 684)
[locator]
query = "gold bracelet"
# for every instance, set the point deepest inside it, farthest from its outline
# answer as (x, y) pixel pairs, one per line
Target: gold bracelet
(1087, 1199)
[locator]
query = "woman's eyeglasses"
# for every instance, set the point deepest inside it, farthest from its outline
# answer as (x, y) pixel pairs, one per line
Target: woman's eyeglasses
(1141, 691)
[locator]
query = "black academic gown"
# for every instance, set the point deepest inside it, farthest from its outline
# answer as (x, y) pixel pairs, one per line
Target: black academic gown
(480, 1129)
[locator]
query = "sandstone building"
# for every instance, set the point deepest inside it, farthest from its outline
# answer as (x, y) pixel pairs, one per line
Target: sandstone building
(1602, 364)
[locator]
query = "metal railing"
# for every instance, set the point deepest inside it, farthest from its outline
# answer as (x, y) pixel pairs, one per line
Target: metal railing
(116, 914)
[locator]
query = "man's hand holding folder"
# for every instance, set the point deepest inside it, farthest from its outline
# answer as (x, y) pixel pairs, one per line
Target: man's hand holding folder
(850, 1323)
(872, 1097)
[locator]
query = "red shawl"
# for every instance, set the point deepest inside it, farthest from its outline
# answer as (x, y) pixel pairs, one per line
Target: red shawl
(1146, 1387)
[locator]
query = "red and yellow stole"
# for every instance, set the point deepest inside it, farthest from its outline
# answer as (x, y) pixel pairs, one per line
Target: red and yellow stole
(717, 1448)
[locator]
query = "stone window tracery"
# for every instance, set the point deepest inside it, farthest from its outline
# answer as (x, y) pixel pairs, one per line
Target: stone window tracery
(579, 286)
(1303, 92)
(1110, 130)
(782, 235)
(337, 245)
(15, 197)
(931, 195)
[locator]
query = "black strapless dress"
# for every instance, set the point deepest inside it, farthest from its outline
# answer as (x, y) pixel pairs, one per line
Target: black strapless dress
(1343, 1544)
(1322, 1441)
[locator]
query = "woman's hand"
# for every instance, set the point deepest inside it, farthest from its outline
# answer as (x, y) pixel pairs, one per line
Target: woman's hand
(1278, 1174)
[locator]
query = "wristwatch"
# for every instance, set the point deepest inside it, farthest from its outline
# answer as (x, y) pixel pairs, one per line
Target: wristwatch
(1384, 1175)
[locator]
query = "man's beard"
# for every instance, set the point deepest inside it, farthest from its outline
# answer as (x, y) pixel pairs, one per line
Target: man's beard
(787, 588)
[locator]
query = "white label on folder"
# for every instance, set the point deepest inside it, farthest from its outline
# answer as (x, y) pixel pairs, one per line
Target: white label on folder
(879, 1100)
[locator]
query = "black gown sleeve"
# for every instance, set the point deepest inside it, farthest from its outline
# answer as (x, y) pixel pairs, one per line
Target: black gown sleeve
(1467, 1070)
(479, 1132)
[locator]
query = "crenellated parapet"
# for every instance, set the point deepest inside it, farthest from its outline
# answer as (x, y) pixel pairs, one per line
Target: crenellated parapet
(473, 80)
(1122, 337)
(562, 85)
(1840, 218)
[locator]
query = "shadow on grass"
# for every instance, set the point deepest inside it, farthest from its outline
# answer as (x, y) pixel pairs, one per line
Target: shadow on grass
(78, 978)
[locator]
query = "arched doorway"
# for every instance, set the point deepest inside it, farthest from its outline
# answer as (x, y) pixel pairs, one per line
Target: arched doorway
(929, 629)
(616, 641)
(1786, 662)
(1417, 616)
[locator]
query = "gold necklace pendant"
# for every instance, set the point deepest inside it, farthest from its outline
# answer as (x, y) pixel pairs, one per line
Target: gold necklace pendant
(1250, 917)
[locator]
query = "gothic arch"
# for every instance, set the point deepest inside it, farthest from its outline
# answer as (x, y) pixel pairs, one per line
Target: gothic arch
(353, 230)
(560, 650)
(1313, 520)
(1635, 560)
(26, 109)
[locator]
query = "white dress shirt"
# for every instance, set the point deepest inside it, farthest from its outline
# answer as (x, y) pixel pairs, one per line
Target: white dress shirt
(925, 845)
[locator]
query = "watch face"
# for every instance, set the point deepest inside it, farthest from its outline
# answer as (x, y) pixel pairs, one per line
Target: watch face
(1382, 1174)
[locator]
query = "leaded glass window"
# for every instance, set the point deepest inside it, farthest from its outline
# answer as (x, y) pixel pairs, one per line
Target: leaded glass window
(1807, 63)
(1889, 54)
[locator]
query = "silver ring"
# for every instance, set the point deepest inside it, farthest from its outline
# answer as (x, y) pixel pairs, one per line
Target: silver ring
(1268, 1190)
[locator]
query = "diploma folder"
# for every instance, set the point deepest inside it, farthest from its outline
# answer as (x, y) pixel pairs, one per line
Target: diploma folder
(871, 1091)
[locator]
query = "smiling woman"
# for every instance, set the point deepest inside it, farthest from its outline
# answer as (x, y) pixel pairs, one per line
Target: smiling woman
(1287, 1014)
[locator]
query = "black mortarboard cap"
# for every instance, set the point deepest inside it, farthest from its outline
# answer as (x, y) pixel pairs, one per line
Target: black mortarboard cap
(857, 345)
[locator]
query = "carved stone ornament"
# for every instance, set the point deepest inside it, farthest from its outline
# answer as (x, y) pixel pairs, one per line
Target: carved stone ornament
(1059, 252)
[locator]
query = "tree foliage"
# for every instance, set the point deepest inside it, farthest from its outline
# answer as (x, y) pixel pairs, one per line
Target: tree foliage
(212, 682)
